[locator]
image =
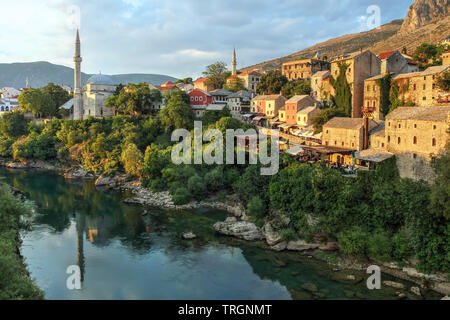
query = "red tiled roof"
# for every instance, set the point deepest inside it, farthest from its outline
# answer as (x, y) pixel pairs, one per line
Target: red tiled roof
(201, 80)
(166, 87)
(385, 55)
(167, 83)
(411, 62)
(446, 52)
(253, 73)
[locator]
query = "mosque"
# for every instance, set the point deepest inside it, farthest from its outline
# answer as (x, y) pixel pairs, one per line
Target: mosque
(90, 100)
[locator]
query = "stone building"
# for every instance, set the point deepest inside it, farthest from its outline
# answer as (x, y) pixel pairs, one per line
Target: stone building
(90, 100)
(288, 113)
(420, 88)
(346, 133)
(269, 105)
(414, 134)
(239, 102)
(305, 116)
(446, 58)
(396, 62)
(361, 66)
(203, 85)
(320, 86)
(97, 89)
(249, 80)
(303, 69)
(372, 95)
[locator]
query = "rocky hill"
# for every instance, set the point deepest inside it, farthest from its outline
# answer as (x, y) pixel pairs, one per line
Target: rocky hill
(423, 12)
(426, 21)
(41, 73)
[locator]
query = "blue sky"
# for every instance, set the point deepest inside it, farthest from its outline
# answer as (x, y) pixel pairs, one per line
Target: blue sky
(176, 37)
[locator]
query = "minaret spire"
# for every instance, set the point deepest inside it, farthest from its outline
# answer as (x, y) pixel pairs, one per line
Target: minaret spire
(78, 94)
(233, 63)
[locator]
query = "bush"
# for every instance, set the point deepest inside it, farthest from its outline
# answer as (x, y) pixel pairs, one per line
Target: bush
(215, 179)
(256, 208)
(354, 242)
(401, 247)
(196, 186)
(157, 185)
(379, 245)
(288, 235)
(132, 160)
(181, 196)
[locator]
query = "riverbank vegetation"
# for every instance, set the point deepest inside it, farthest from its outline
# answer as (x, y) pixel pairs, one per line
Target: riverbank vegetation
(15, 282)
(377, 215)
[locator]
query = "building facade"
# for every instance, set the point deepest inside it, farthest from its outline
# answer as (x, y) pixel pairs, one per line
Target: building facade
(288, 113)
(303, 69)
(249, 80)
(414, 135)
(269, 105)
(346, 133)
(421, 88)
(203, 85)
(360, 66)
(320, 86)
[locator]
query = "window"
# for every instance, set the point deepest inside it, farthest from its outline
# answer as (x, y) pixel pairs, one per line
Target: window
(200, 98)
(415, 125)
(389, 139)
(434, 127)
(399, 125)
(433, 142)
(415, 140)
(368, 88)
(424, 87)
(196, 98)
(414, 156)
(375, 88)
(414, 87)
(335, 142)
(398, 140)
(192, 98)
(424, 98)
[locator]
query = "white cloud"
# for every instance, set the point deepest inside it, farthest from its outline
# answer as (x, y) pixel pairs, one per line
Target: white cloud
(178, 38)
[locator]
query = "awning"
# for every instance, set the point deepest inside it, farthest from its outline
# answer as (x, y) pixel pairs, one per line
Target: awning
(373, 155)
(257, 118)
(295, 150)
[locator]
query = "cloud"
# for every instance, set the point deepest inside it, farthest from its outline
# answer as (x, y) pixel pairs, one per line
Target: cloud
(177, 38)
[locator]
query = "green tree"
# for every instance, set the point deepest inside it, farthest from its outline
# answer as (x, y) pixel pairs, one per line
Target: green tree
(177, 113)
(296, 87)
(216, 74)
(135, 99)
(385, 92)
(425, 53)
(443, 81)
(58, 95)
(343, 97)
(39, 103)
(271, 83)
(13, 125)
(132, 159)
(235, 84)
(323, 117)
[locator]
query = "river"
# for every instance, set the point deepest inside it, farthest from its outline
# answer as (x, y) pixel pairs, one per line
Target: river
(125, 255)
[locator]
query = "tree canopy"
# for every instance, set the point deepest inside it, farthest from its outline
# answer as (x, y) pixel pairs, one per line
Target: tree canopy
(177, 113)
(135, 99)
(296, 87)
(271, 83)
(216, 74)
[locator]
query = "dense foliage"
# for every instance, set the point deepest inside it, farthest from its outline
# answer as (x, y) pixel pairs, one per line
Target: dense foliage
(296, 87)
(15, 282)
(343, 97)
(271, 83)
(45, 101)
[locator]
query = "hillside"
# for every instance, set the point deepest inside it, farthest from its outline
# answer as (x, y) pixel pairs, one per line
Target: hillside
(41, 73)
(426, 21)
(337, 46)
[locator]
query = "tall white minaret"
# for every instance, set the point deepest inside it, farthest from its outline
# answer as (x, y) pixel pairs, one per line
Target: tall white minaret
(233, 63)
(78, 93)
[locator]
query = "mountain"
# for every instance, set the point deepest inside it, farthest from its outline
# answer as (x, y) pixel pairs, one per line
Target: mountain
(334, 47)
(426, 21)
(422, 12)
(41, 73)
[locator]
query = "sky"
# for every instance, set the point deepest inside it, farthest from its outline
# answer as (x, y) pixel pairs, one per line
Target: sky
(178, 37)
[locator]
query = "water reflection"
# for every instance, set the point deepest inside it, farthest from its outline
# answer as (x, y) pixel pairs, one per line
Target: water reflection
(125, 255)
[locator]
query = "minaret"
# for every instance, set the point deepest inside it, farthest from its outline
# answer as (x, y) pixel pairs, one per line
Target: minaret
(78, 94)
(233, 63)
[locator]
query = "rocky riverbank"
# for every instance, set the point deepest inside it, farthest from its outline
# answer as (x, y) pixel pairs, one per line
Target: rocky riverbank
(239, 226)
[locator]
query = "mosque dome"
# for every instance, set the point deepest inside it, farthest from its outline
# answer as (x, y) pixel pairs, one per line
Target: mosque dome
(100, 79)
